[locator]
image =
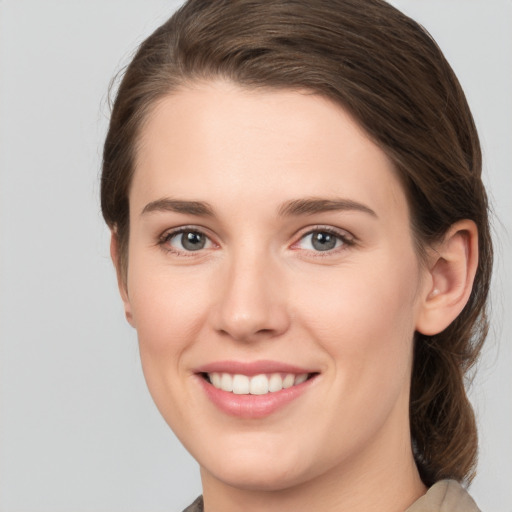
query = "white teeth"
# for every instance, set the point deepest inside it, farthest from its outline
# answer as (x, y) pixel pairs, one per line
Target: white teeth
(289, 381)
(275, 383)
(300, 379)
(257, 385)
(240, 384)
(216, 379)
(226, 382)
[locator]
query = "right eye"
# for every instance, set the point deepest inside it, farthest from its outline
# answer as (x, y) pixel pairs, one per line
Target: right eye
(185, 240)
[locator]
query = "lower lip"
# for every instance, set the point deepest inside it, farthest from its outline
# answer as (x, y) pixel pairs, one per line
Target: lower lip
(253, 406)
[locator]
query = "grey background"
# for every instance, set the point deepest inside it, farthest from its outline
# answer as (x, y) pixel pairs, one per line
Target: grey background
(78, 430)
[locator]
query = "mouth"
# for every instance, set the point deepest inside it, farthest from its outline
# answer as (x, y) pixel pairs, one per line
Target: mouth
(254, 390)
(261, 384)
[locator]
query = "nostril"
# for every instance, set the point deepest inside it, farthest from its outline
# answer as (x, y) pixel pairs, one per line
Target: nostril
(265, 331)
(248, 333)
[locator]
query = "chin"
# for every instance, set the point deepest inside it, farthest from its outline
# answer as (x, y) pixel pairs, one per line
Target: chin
(258, 470)
(266, 478)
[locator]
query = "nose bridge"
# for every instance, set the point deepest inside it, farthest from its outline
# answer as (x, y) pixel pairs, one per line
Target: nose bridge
(252, 297)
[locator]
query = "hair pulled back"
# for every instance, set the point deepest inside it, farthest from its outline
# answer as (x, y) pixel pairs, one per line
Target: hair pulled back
(387, 71)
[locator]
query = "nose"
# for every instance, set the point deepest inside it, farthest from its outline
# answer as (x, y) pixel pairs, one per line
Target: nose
(251, 299)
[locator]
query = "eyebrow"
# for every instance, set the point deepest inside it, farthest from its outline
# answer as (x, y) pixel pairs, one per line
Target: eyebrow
(296, 207)
(310, 206)
(198, 208)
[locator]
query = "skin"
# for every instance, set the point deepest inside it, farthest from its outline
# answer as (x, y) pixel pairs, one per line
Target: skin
(259, 290)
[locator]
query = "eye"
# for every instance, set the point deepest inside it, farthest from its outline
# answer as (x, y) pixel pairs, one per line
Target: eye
(186, 240)
(322, 240)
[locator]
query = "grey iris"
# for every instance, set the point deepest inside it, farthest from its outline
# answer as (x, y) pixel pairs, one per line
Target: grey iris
(193, 241)
(323, 241)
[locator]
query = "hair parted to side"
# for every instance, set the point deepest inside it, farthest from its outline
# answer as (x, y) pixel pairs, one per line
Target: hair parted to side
(387, 71)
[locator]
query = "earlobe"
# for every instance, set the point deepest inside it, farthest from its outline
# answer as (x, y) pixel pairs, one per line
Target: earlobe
(451, 272)
(121, 279)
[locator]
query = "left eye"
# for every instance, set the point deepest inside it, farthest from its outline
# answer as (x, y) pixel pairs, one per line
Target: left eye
(321, 241)
(187, 240)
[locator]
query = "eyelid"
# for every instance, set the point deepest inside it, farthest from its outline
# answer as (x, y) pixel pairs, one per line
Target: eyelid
(168, 234)
(347, 238)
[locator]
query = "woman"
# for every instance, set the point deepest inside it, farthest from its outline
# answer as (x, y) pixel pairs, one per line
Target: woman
(301, 239)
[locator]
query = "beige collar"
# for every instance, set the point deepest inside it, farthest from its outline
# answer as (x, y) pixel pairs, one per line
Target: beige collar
(445, 496)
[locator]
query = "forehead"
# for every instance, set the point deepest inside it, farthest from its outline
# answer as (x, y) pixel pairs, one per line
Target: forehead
(220, 142)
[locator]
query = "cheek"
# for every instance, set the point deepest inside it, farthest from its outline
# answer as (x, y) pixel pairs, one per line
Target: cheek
(168, 307)
(364, 317)
(168, 310)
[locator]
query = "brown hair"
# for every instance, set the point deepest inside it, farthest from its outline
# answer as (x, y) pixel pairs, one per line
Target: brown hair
(388, 72)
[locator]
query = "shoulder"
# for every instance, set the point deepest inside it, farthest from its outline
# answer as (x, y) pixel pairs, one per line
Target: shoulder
(445, 496)
(197, 506)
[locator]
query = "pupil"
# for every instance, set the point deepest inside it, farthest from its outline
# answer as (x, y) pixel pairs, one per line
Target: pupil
(192, 241)
(323, 241)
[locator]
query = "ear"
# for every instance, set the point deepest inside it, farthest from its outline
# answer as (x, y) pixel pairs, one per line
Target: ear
(121, 278)
(450, 275)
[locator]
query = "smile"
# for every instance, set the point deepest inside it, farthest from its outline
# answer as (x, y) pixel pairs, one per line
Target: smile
(261, 384)
(254, 390)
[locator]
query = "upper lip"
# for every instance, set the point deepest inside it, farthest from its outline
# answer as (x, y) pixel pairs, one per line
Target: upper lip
(251, 368)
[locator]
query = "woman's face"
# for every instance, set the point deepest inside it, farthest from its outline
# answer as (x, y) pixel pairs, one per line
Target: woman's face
(270, 243)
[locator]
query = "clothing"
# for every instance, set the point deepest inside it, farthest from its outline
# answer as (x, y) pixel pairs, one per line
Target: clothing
(444, 496)
(197, 506)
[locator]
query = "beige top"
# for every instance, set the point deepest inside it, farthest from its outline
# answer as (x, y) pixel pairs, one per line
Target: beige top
(444, 496)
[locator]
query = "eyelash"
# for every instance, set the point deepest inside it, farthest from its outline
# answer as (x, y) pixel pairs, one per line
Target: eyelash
(345, 238)
(166, 237)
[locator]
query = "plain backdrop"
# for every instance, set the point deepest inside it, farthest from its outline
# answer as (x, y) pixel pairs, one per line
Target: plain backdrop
(78, 430)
